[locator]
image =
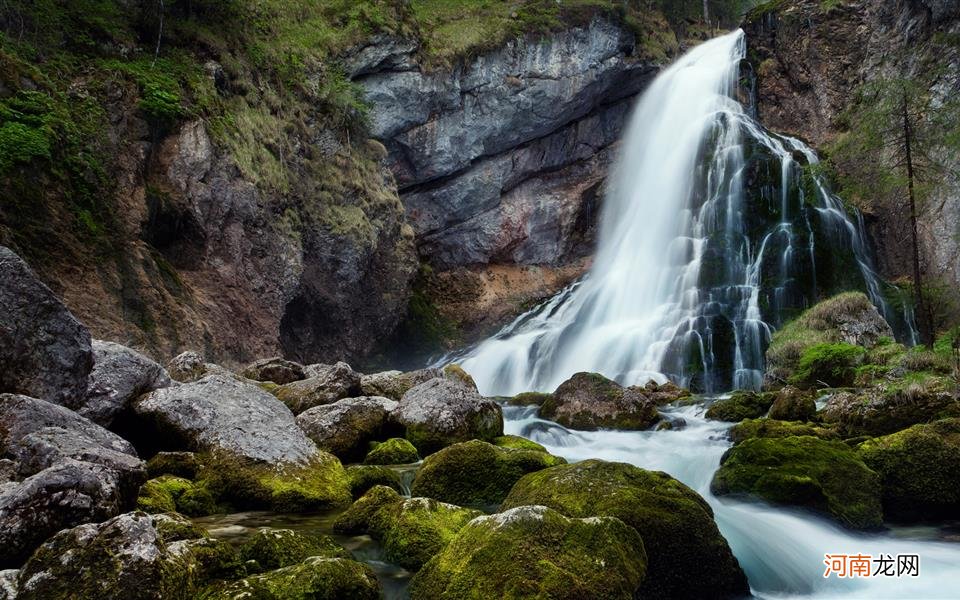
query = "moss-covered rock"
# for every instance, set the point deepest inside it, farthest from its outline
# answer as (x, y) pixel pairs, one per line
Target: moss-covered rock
(455, 371)
(181, 464)
(828, 365)
(536, 552)
(892, 406)
(676, 524)
(476, 473)
(792, 404)
(444, 411)
(771, 428)
(517, 442)
(320, 484)
(919, 470)
(411, 530)
(529, 399)
(804, 471)
(740, 405)
(364, 477)
(590, 401)
(313, 579)
(395, 451)
(168, 493)
(277, 548)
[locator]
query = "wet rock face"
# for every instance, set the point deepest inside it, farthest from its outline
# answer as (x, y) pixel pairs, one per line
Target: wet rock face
(221, 413)
(44, 350)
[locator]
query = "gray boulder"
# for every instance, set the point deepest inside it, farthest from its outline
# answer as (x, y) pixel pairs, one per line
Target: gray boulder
(590, 401)
(346, 427)
(219, 413)
(189, 366)
(119, 375)
(444, 411)
(45, 351)
(8, 584)
(394, 384)
(325, 384)
(64, 495)
(276, 369)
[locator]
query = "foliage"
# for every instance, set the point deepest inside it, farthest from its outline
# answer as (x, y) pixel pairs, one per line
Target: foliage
(831, 364)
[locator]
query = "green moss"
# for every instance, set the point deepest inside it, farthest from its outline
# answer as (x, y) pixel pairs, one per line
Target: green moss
(792, 404)
(277, 548)
(828, 365)
(395, 451)
(919, 470)
(181, 464)
(313, 579)
(676, 524)
(771, 428)
(476, 473)
(455, 371)
(804, 471)
(517, 443)
(529, 399)
(364, 477)
(411, 530)
(168, 493)
(536, 552)
(741, 405)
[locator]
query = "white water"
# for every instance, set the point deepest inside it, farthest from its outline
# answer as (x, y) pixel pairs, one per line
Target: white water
(677, 280)
(782, 552)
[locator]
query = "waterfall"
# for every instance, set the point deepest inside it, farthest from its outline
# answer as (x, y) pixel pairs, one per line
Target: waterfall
(714, 232)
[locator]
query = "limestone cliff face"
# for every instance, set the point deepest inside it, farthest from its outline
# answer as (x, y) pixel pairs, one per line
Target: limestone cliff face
(500, 160)
(809, 62)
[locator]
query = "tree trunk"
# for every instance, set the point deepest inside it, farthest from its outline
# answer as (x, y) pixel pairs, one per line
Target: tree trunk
(706, 12)
(922, 316)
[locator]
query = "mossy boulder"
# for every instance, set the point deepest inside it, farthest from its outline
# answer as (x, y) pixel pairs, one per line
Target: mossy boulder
(411, 530)
(919, 470)
(168, 493)
(741, 405)
(771, 428)
(444, 411)
(476, 473)
(395, 451)
(455, 371)
(804, 471)
(181, 464)
(849, 318)
(828, 365)
(364, 477)
(676, 524)
(590, 401)
(517, 442)
(313, 579)
(536, 552)
(793, 404)
(320, 484)
(529, 399)
(278, 548)
(346, 427)
(133, 556)
(892, 406)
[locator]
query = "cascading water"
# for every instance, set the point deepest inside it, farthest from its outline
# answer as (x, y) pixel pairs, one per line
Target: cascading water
(714, 232)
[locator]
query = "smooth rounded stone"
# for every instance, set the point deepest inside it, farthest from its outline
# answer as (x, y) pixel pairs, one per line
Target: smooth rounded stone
(8, 584)
(919, 470)
(189, 366)
(793, 404)
(365, 477)
(395, 451)
(313, 579)
(346, 427)
(536, 552)
(169, 493)
(411, 530)
(804, 471)
(276, 370)
(590, 401)
(119, 375)
(676, 524)
(219, 413)
(771, 428)
(325, 385)
(742, 404)
(394, 384)
(476, 473)
(444, 411)
(278, 548)
(45, 351)
(133, 556)
(64, 495)
(22, 415)
(880, 411)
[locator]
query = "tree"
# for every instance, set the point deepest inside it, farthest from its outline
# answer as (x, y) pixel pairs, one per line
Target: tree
(899, 147)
